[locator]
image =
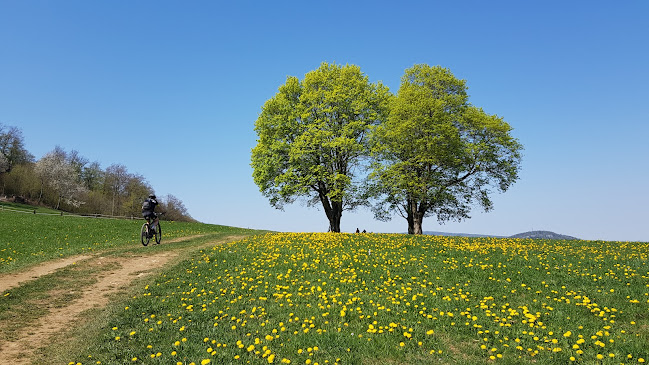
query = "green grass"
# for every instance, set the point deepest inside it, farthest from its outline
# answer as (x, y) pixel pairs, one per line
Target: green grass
(28, 239)
(27, 208)
(395, 299)
(25, 305)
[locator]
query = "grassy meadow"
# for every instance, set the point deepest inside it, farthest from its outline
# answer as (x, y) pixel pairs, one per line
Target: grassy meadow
(27, 239)
(324, 298)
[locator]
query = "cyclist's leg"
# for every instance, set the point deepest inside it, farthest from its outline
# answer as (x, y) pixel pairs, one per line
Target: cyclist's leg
(147, 217)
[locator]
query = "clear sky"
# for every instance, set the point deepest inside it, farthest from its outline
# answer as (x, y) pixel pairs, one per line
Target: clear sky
(171, 90)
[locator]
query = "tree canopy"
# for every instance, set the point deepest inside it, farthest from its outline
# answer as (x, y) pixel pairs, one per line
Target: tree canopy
(313, 139)
(437, 154)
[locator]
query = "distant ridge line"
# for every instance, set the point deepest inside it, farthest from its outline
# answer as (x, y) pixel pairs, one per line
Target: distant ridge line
(548, 235)
(435, 233)
(544, 235)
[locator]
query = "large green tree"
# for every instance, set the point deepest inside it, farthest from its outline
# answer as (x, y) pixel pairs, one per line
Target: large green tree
(437, 154)
(313, 139)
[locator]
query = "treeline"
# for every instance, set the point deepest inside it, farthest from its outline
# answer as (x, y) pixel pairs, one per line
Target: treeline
(69, 182)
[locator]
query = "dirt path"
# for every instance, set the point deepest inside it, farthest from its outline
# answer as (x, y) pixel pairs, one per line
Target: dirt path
(95, 296)
(11, 281)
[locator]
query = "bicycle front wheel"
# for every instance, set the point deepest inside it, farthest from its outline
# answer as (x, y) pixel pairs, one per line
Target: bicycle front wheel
(158, 233)
(144, 237)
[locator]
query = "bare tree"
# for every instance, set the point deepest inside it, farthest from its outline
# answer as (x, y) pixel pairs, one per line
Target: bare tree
(4, 163)
(77, 162)
(137, 189)
(12, 151)
(115, 181)
(175, 209)
(92, 176)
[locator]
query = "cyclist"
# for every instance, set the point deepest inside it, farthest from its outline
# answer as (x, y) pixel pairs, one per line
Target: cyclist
(148, 208)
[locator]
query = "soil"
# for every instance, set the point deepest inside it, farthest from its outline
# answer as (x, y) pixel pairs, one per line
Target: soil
(95, 296)
(11, 281)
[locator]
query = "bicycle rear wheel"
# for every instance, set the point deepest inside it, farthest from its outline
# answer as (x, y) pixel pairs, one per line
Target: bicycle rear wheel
(143, 234)
(158, 233)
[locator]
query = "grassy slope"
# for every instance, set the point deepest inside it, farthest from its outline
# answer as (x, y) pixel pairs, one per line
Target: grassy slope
(339, 298)
(27, 239)
(27, 208)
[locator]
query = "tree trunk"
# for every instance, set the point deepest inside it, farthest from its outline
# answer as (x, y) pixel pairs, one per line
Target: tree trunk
(410, 218)
(417, 225)
(334, 211)
(415, 217)
(40, 195)
(337, 213)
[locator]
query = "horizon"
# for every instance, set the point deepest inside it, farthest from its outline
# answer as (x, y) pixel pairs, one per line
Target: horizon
(107, 79)
(425, 232)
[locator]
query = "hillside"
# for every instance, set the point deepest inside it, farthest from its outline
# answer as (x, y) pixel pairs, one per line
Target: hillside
(217, 297)
(435, 233)
(544, 235)
(531, 234)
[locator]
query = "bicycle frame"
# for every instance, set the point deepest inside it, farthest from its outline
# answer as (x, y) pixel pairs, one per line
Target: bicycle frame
(151, 229)
(152, 222)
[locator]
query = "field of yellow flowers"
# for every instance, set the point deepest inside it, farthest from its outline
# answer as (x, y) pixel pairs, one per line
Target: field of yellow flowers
(326, 298)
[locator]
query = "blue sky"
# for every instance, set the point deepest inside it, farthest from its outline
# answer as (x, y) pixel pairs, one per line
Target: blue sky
(171, 90)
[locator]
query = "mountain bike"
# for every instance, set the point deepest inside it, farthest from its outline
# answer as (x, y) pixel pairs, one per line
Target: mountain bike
(148, 232)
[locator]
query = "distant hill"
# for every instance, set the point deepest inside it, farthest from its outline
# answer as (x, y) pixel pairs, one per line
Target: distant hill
(434, 233)
(544, 235)
(531, 234)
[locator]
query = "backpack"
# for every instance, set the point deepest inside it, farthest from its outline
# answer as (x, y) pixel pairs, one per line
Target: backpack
(146, 205)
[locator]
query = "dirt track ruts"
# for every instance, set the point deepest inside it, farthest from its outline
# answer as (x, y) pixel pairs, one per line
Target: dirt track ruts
(94, 296)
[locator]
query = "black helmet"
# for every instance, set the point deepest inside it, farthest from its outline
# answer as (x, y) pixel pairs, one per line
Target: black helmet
(152, 196)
